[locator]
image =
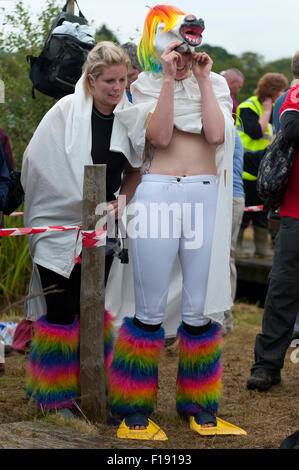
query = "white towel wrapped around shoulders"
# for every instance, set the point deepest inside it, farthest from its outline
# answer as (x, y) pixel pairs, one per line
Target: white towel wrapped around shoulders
(52, 177)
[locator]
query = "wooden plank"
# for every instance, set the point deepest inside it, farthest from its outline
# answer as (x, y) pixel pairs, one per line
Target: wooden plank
(92, 301)
(253, 269)
(43, 435)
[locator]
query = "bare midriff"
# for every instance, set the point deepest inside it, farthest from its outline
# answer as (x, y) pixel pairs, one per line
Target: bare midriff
(187, 154)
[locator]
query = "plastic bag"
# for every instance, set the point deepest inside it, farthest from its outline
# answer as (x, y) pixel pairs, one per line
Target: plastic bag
(82, 32)
(7, 331)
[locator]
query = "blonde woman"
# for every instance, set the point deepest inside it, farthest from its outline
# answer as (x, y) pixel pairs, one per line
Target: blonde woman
(79, 130)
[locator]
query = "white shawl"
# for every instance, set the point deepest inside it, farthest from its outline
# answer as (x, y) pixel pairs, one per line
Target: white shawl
(187, 117)
(52, 177)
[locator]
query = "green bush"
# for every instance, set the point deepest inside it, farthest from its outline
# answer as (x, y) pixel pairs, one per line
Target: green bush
(15, 264)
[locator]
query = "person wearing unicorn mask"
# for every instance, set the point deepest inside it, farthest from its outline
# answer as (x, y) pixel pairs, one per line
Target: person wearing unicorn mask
(181, 123)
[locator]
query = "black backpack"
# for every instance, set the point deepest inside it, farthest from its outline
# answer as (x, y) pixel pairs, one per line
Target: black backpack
(59, 66)
(274, 171)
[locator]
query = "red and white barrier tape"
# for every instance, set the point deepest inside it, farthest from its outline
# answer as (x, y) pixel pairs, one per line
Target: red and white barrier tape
(247, 209)
(253, 208)
(90, 238)
(14, 232)
(93, 238)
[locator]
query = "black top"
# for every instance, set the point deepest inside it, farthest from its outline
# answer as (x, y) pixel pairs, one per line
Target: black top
(101, 126)
(251, 125)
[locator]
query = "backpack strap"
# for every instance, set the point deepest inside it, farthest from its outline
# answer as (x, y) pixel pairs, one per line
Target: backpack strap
(80, 12)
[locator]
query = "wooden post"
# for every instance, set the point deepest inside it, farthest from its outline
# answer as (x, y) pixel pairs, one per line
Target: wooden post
(71, 6)
(92, 302)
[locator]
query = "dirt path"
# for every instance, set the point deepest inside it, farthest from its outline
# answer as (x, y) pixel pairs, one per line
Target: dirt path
(268, 417)
(41, 435)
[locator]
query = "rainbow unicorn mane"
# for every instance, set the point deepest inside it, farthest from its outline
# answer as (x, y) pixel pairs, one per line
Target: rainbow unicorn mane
(147, 53)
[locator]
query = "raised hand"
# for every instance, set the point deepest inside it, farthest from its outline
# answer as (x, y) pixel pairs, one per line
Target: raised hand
(201, 65)
(267, 105)
(169, 60)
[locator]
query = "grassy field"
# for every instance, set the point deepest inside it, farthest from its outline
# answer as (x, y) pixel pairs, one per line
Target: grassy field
(268, 417)
(15, 264)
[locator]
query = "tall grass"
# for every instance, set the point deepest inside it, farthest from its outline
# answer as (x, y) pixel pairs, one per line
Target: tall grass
(15, 264)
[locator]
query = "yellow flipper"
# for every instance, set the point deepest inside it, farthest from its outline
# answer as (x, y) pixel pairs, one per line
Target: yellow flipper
(152, 433)
(223, 427)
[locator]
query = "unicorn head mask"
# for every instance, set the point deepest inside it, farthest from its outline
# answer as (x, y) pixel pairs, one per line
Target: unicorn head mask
(165, 24)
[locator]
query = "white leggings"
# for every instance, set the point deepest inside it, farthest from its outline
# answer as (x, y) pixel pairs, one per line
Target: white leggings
(185, 228)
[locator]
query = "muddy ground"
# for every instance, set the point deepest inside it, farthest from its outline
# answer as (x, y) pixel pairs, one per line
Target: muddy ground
(268, 417)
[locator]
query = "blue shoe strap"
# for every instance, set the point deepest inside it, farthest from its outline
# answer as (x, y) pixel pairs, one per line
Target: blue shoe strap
(204, 417)
(136, 419)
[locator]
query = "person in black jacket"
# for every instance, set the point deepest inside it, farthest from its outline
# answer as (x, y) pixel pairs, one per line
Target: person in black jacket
(282, 300)
(5, 143)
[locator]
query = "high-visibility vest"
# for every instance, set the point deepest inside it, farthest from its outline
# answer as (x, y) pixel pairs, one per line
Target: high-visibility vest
(250, 144)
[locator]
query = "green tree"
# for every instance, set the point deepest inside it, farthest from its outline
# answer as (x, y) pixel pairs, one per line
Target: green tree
(281, 66)
(251, 64)
(22, 34)
(105, 34)
(219, 56)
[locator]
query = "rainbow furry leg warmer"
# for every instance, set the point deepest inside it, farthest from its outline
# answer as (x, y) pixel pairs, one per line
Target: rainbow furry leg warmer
(133, 377)
(199, 371)
(54, 367)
